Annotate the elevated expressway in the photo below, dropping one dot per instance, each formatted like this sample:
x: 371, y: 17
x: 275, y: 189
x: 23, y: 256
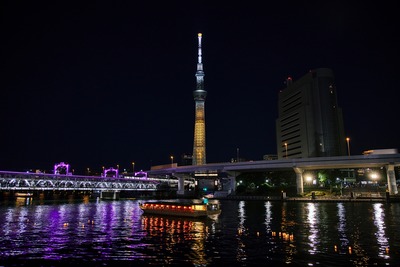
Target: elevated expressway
x: 299, y: 166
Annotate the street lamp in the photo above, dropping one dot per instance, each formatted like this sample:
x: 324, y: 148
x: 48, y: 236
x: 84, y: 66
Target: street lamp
x: 348, y: 145
x: 172, y: 160
x: 309, y: 179
x: 374, y: 177
x: 133, y: 167
x: 286, y: 149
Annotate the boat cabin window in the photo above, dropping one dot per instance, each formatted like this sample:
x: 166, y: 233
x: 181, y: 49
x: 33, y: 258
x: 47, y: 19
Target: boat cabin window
x: 199, y: 207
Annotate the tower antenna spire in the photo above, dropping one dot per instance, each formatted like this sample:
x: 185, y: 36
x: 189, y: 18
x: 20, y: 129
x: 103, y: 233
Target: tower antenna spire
x: 199, y: 63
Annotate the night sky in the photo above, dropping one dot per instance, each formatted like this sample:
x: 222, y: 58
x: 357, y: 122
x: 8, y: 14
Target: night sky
x: 104, y: 83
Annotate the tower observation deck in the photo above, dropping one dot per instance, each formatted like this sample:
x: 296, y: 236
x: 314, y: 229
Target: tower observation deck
x: 199, y: 143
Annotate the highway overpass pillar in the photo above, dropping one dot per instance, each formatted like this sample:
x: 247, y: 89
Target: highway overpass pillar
x: 299, y: 180
x: 181, y: 185
x: 230, y: 183
x: 391, y: 179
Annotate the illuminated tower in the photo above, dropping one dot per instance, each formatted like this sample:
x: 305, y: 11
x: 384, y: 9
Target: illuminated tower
x: 199, y: 143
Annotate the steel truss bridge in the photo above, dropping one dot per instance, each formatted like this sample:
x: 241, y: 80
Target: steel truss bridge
x: 22, y: 181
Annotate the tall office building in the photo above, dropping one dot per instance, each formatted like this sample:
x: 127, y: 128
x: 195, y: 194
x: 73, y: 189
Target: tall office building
x: 310, y: 122
x: 199, y: 143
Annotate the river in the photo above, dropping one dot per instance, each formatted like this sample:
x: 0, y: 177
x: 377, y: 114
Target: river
x: 246, y: 233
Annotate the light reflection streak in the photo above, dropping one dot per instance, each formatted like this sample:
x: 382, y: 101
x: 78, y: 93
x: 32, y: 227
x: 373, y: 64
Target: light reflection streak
x: 240, y: 251
x: 341, y: 213
x: 176, y: 231
x: 6, y: 227
x: 313, y: 222
x: 380, y: 234
x: 105, y: 213
x: 55, y: 218
x: 22, y: 220
x: 285, y: 222
x: 268, y: 216
x: 284, y: 234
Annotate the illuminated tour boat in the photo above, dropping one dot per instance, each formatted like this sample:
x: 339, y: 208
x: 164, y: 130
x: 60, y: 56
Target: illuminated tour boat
x: 183, y: 209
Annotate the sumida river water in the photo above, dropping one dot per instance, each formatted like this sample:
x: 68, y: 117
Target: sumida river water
x: 246, y: 233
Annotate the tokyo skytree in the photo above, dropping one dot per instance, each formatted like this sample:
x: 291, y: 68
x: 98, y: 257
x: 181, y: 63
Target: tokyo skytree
x: 199, y: 143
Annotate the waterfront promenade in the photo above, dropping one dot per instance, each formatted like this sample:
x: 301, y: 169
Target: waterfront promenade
x: 317, y: 196
x: 316, y: 199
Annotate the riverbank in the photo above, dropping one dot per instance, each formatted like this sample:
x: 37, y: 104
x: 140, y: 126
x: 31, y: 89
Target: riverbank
x: 385, y: 199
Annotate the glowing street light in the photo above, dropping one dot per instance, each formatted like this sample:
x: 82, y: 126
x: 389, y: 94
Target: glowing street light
x: 286, y: 149
x: 309, y: 179
x: 133, y: 166
x: 374, y: 176
x: 348, y: 145
x: 172, y: 160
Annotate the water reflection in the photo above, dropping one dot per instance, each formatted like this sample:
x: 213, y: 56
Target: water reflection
x: 241, y: 217
x: 172, y: 232
x: 246, y: 233
x: 286, y: 235
x: 313, y: 221
x: 241, y: 229
x: 268, y: 216
x: 380, y: 234
x: 341, y: 227
x: 357, y: 253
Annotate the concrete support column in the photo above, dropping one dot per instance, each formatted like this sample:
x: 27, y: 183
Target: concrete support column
x: 299, y: 180
x: 391, y: 179
x: 181, y: 185
x: 231, y: 185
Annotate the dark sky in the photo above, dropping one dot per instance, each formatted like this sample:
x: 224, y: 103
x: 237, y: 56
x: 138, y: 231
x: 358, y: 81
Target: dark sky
x: 104, y: 83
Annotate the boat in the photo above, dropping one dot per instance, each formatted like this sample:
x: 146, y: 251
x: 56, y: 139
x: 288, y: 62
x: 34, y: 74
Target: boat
x: 181, y: 208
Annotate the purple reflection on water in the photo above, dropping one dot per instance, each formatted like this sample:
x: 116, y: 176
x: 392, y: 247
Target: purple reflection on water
x: 247, y: 232
x: 101, y: 230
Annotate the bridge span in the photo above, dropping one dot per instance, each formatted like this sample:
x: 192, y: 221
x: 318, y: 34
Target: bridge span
x: 299, y: 166
x: 31, y: 182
